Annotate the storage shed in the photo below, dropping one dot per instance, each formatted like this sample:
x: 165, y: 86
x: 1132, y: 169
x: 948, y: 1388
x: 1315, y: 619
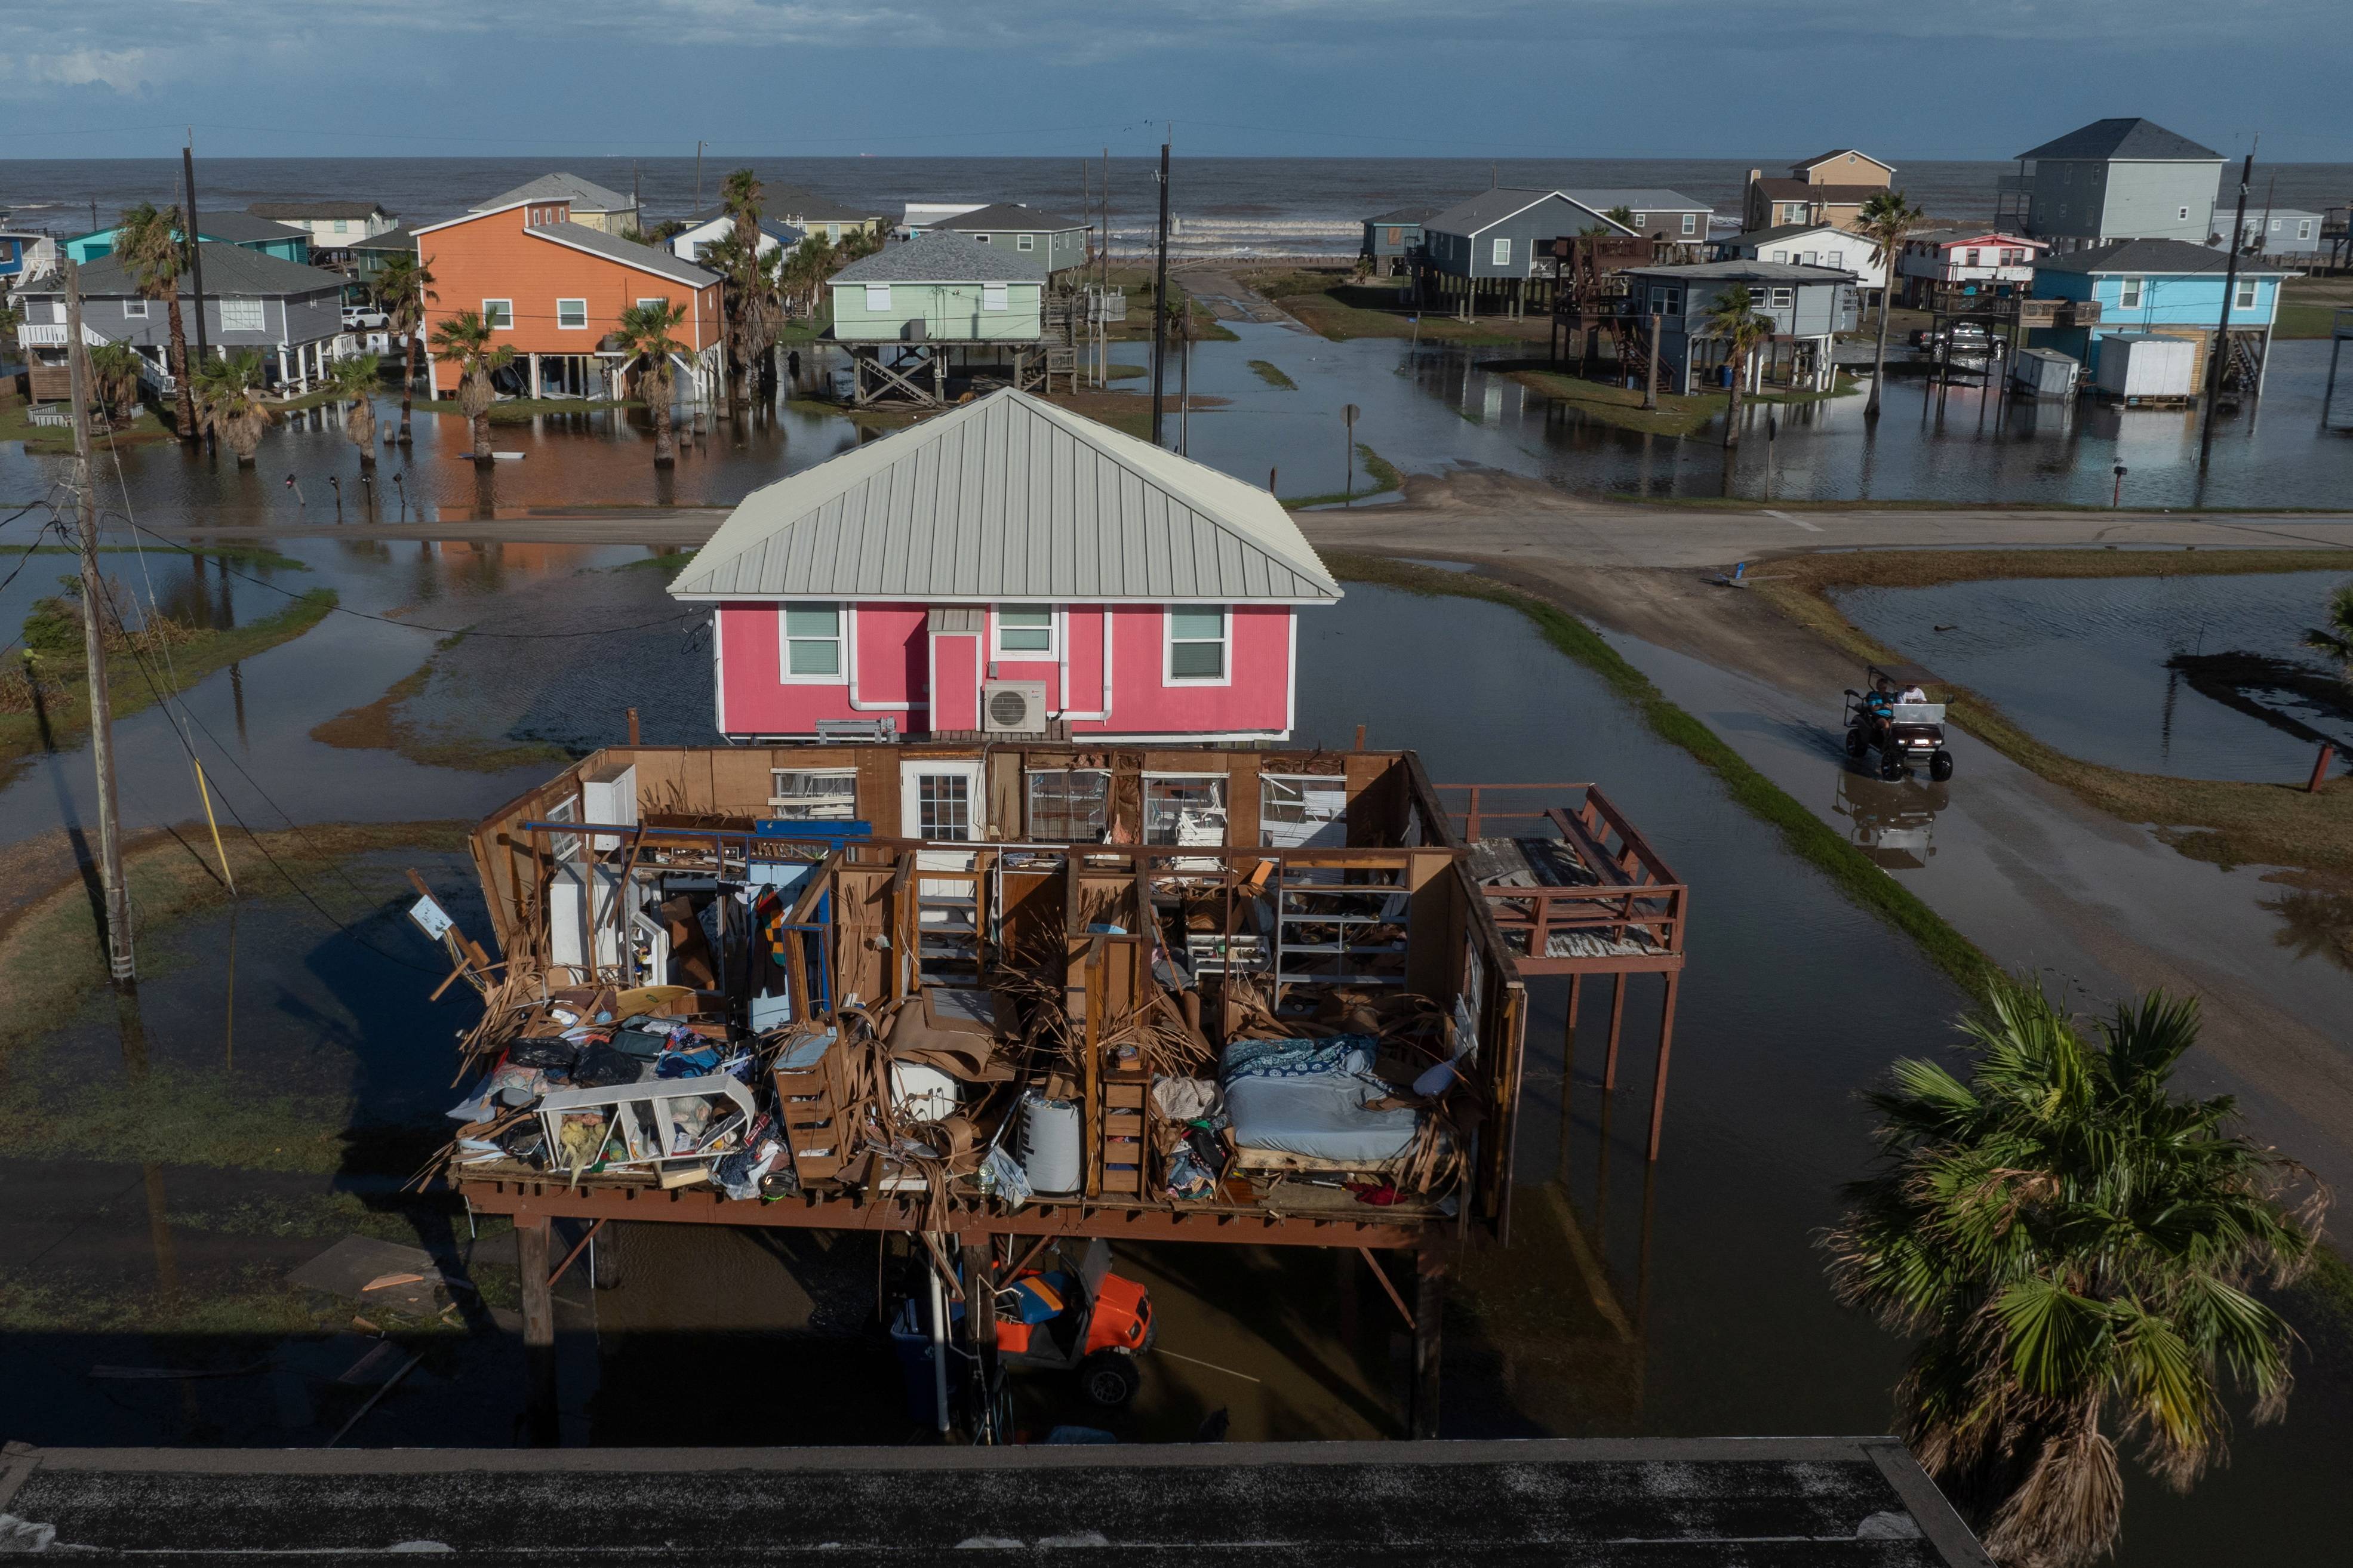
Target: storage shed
x: 2147, y: 367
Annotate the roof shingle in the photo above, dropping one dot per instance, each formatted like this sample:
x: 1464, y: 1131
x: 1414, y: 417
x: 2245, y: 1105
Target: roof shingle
x: 2129, y: 138
x: 584, y: 195
x: 936, y: 256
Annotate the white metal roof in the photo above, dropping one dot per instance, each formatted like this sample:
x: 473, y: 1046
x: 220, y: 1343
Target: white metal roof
x: 1009, y: 497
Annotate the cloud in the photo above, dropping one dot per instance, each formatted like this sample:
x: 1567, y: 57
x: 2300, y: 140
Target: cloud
x: 123, y: 70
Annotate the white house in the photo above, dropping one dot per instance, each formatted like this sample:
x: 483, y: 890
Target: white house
x: 1813, y: 245
x: 1965, y: 260
x: 712, y: 223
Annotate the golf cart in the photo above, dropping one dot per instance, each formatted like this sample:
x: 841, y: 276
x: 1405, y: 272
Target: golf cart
x: 1905, y: 735
x: 1088, y: 1320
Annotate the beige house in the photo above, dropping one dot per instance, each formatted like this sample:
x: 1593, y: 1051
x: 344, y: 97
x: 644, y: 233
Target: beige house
x: 1829, y: 188
x: 591, y: 204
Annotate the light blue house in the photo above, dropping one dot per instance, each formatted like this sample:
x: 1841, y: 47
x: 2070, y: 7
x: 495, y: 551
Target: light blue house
x: 2168, y: 286
x: 241, y: 230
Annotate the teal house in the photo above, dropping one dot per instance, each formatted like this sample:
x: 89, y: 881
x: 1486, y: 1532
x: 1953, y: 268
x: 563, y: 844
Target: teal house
x: 240, y: 229
x: 2169, y: 287
x: 940, y: 287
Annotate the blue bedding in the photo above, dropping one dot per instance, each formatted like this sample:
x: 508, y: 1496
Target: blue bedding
x: 1307, y: 1097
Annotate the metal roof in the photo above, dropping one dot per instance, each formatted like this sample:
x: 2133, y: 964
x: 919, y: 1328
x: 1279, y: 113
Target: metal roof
x: 1641, y: 199
x: 1747, y: 272
x: 245, y: 228
x: 1789, y: 231
x: 586, y: 194
x: 2129, y: 138
x: 613, y: 247
x: 1489, y: 208
x: 1402, y: 215
x: 229, y: 270
x: 1006, y: 217
x: 1009, y: 497
x: 346, y: 210
x: 938, y: 256
x: 2158, y: 256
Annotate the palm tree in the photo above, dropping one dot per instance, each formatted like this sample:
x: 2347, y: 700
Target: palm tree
x: 746, y: 307
x: 402, y: 287
x: 1733, y: 317
x: 114, y: 371
x: 357, y: 379
x: 464, y: 341
x: 645, y: 335
x: 1886, y: 219
x: 2336, y: 638
x: 228, y: 396
x: 154, y: 252
x: 2077, y: 1245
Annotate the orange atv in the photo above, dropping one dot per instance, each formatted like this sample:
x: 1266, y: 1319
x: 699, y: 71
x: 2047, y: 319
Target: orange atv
x: 1087, y: 1319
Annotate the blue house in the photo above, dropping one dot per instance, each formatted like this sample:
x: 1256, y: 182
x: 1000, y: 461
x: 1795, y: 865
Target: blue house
x: 243, y: 230
x: 2166, y: 287
x: 1393, y: 238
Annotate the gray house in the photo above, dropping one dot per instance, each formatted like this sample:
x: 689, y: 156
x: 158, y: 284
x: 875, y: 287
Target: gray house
x: 1495, y: 242
x: 289, y: 312
x: 2113, y: 179
x: 1393, y: 238
x: 1809, y: 306
x: 1056, y: 244
x: 1660, y: 215
x: 2293, y: 232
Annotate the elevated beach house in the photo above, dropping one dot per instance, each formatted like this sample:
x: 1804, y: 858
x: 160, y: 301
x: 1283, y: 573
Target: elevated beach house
x: 291, y: 313
x: 2291, y: 234
x: 590, y: 204
x: 1393, y: 238
x: 1946, y: 266
x: 1830, y: 187
x: 1809, y: 306
x: 1668, y: 219
x: 2113, y: 179
x: 1007, y: 569
x: 554, y: 289
x: 243, y: 230
x: 822, y: 217
x: 1056, y: 244
x: 1812, y: 245
x: 333, y: 225
x: 1490, y: 246
x: 716, y: 223
x: 2164, y: 288
x: 910, y: 309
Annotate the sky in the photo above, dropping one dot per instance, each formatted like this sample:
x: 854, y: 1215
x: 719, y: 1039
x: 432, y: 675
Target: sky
x: 1682, y: 79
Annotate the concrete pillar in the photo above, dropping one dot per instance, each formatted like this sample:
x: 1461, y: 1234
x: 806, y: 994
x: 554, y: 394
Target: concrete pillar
x: 538, y: 1331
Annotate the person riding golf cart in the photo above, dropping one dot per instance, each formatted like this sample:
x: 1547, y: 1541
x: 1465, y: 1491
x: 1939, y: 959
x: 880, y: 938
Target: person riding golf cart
x: 1893, y: 717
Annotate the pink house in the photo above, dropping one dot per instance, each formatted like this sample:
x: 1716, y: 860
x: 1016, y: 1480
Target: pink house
x: 1944, y: 261
x: 1008, y: 569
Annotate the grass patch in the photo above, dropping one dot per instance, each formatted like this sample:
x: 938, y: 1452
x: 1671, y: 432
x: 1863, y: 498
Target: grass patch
x: 1383, y: 474
x: 1131, y: 371
x: 1619, y: 406
x: 2308, y: 306
x: 885, y: 418
x: 514, y: 410
x: 1805, y: 835
x: 62, y: 714
x: 1336, y: 308
x: 17, y: 424
x: 256, y: 555
x: 1272, y: 375
x: 1137, y: 282
x: 2226, y: 821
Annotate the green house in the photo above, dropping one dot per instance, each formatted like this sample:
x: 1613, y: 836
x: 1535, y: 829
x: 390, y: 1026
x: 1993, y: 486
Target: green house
x: 940, y: 287
x: 240, y: 229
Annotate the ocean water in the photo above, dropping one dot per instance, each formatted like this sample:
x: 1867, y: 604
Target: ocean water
x: 1222, y: 207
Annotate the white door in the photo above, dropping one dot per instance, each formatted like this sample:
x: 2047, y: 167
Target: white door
x: 942, y: 802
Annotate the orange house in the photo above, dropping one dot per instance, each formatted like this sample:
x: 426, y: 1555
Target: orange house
x: 554, y: 290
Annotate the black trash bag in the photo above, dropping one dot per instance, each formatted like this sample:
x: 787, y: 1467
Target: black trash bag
x: 552, y: 1051
x: 643, y: 1044
x: 602, y: 1067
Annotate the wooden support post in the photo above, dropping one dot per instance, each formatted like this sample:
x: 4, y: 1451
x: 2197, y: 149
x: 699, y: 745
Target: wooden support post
x: 1666, y: 1045
x: 1429, y: 1312
x: 538, y: 1331
x: 1650, y: 387
x: 2320, y: 768
x: 1616, y: 1018
x: 1569, y: 1034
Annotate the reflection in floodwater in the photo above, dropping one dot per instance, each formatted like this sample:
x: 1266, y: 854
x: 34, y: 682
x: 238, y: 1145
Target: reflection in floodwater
x: 1895, y: 823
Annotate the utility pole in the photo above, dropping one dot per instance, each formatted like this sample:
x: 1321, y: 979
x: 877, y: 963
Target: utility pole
x: 195, y: 249
x: 1160, y: 298
x: 93, y: 647
x: 697, y: 177
x: 2223, y: 329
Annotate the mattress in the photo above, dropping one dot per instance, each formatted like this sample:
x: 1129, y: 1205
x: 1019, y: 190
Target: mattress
x: 1308, y: 1098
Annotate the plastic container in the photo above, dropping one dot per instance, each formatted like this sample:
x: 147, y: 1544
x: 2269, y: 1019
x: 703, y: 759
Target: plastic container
x: 923, y: 1093
x: 1050, y: 1148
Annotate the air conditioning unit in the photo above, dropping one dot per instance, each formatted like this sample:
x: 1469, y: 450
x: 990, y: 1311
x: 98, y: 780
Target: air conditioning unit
x: 1013, y: 708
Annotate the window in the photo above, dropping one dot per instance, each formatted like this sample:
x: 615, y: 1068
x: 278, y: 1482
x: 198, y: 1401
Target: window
x: 1808, y: 258
x: 2183, y: 214
x: 1781, y: 255
x: 1641, y: 220
x: 833, y: 234
x: 813, y: 643
x: 1836, y: 259
x: 242, y: 316
x: 1185, y: 808
x: 572, y: 313
x: 1397, y: 237
x: 1025, y: 242
x: 1667, y: 301
x: 498, y: 314
x: 343, y: 227
x: 1295, y: 811
x: 943, y: 807
x: 1968, y: 258
x: 2128, y: 294
x: 2303, y: 228
x: 812, y: 794
x: 1025, y: 631
x: 980, y: 238
x: 1691, y: 223
x: 996, y: 297
x: 1503, y: 253
x: 2245, y: 300
x: 1070, y: 805
x: 877, y: 295
x: 135, y: 308
x: 644, y: 304
x: 2275, y: 224
x: 1196, y: 645
x: 1783, y: 297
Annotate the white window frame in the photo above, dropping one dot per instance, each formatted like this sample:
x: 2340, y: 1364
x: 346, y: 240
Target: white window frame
x: 135, y: 309
x: 1025, y: 242
x: 1640, y: 220
x: 343, y: 226
x: 1220, y: 786
x: 997, y: 297
x: 1500, y: 253
x: 494, y: 310
x: 258, y: 317
x: 2244, y: 296
x: 1781, y: 300
x: 839, y: 676
x: 663, y: 300
x: 1029, y: 782
x: 562, y: 325
x: 2183, y: 216
x: 1836, y: 258
x: 1052, y: 650
x: 838, y: 805
x: 1691, y: 223
x: 1168, y: 646
x: 2131, y: 292
x: 878, y: 296
x: 1782, y: 255
x: 2303, y: 228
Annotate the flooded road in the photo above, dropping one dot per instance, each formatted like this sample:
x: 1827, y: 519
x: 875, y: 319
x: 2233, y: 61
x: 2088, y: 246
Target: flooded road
x: 1682, y: 1299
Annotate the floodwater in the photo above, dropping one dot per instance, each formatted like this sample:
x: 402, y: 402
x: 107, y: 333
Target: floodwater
x: 1684, y: 1298
x: 2096, y: 666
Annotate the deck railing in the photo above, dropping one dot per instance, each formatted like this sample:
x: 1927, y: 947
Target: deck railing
x: 1630, y: 917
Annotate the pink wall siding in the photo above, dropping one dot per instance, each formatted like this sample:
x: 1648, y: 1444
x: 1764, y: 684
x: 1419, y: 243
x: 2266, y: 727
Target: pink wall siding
x: 897, y: 661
